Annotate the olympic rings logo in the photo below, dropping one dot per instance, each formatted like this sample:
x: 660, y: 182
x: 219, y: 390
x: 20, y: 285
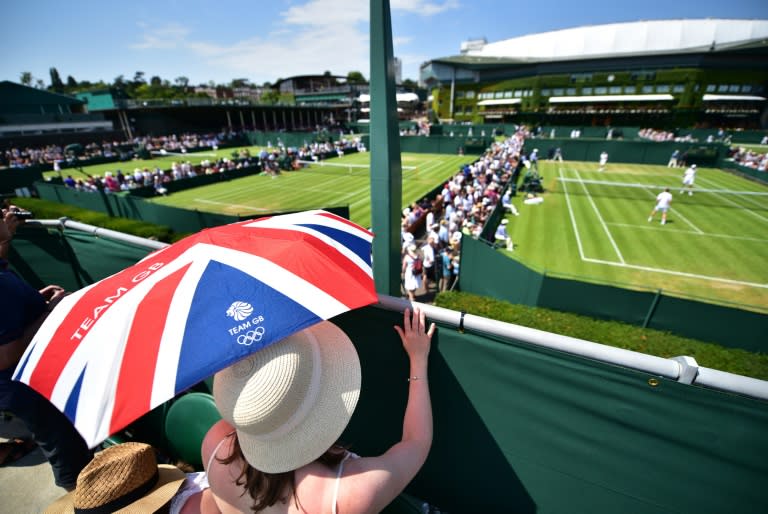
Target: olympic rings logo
x: 254, y: 336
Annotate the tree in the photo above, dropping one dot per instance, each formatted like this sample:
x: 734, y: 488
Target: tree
x: 355, y: 77
x: 39, y: 84
x: 138, y: 78
x: 237, y: 83
x: 182, y: 82
x: 269, y: 97
x: 408, y: 83
x: 26, y: 78
x: 56, y: 83
x: 155, y: 81
x: 71, y: 82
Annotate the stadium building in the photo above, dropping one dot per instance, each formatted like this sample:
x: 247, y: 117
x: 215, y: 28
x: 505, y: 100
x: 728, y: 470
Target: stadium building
x: 662, y: 74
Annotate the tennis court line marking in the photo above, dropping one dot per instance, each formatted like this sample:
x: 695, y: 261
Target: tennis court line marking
x: 211, y: 202
x: 678, y: 273
x: 602, y: 221
x: 707, y: 234
x: 572, y: 216
x: 634, y: 266
x: 759, y: 216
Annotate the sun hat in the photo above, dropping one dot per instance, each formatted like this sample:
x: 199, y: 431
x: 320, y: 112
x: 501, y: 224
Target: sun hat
x: 124, y: 479
x: 290, y: 402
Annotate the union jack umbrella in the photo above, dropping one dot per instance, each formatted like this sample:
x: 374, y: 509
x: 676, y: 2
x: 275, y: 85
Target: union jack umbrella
x: 113, y: 351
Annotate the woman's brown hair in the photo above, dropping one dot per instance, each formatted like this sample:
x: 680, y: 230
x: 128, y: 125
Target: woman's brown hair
x: 266, y: 489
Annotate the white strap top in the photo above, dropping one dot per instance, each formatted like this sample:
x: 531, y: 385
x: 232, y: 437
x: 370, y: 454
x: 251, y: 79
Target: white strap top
x: 348, y: 455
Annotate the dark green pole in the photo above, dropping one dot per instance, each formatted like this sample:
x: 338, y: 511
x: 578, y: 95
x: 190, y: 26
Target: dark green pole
x: 386, y: 168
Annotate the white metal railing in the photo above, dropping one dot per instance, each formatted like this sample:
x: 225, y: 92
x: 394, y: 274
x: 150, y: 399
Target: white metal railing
x: 683, y: 369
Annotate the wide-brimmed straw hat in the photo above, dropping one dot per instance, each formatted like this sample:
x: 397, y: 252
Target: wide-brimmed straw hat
x: 290, y: 402
x: 124, y: 479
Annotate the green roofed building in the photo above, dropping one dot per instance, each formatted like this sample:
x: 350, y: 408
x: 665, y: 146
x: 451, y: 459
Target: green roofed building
x: 667, y: 73
x: 28, y: 114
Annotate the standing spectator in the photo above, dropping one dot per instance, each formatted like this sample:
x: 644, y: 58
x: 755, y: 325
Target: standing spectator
x: 673, y: 159
x: 428, y: 255
x: 446, y: 268
x: 412, y: 270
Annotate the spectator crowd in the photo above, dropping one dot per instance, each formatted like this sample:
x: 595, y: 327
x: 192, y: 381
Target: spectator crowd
x: 461, y: 209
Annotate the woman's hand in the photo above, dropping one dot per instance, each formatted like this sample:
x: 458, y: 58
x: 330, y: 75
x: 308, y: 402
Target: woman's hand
x: 414, y: 334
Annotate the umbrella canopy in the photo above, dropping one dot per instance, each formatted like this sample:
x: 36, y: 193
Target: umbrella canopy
x: 113, y: 351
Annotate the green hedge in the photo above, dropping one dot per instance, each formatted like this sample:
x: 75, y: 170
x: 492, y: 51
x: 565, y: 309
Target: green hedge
x: 620, y: 335
x: 44, y: 209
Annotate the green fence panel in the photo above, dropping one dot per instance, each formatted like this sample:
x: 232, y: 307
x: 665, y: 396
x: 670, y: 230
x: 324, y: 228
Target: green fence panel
x: 96, y: 201
x: 595, y: 300
x: 485, y: 271
x: 641, y: 152
x: 708, y: 322
x: 514, y: 282
x: 69, y: 258
x: 444, y: 144
x: 527, y: 430
x: 524, y: 429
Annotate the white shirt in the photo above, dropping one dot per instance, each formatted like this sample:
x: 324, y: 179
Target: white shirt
x: 663, y: 199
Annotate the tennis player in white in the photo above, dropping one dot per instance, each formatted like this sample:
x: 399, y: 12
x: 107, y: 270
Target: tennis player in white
x: 688, y: 178
x: 663, y: 200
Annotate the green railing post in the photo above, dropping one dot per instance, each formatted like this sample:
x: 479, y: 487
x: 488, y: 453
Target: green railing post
x: 386, y: 168
x: 652, y: 308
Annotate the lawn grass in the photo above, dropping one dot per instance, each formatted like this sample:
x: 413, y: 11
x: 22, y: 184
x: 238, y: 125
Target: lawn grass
x: 611, y: 333
x: 713, y: 248
x: 338, y: 182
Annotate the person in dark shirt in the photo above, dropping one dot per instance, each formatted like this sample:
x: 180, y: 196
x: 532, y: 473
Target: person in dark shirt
x: 23, y: 311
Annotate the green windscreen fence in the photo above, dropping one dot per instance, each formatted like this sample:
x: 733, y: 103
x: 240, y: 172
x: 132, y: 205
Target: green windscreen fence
x: 517, y: 427
x: 69, y: 258
x: 514, y: 282
x: 641, y: 152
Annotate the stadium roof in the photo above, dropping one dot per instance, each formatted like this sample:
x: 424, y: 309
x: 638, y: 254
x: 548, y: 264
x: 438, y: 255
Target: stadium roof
x: 622, y: 39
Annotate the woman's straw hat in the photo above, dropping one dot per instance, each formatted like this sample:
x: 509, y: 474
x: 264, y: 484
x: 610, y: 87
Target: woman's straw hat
x: 124, y: 479
x: 290, y: 402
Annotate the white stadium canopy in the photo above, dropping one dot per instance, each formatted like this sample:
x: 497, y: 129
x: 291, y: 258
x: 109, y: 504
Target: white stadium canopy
x: 634, y: 38
x: 400, y: 97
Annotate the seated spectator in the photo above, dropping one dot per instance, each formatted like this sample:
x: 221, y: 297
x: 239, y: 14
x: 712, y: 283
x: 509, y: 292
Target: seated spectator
x: 23, y: 311
x: 122, y: 478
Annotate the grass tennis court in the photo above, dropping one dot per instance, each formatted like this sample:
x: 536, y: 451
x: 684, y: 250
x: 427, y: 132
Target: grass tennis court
x: 337, y: 182
x: 591, y: 226
x: 594, y: 226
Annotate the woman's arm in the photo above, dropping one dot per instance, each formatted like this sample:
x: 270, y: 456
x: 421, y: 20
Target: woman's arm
x: 371, y: 483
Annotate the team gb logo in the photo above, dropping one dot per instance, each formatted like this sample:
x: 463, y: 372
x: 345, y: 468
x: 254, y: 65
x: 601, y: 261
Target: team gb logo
x: 240, y: 310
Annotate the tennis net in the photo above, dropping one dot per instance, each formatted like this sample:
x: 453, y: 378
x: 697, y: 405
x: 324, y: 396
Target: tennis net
x: 187, y: 156
x: 746, y: 199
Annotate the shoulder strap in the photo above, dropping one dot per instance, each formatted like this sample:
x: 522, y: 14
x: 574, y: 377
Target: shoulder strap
x: 215, y: 451
x: 338, y: 479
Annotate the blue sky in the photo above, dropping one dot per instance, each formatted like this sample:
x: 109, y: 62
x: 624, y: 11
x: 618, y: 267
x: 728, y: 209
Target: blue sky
x: 218, y: 41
